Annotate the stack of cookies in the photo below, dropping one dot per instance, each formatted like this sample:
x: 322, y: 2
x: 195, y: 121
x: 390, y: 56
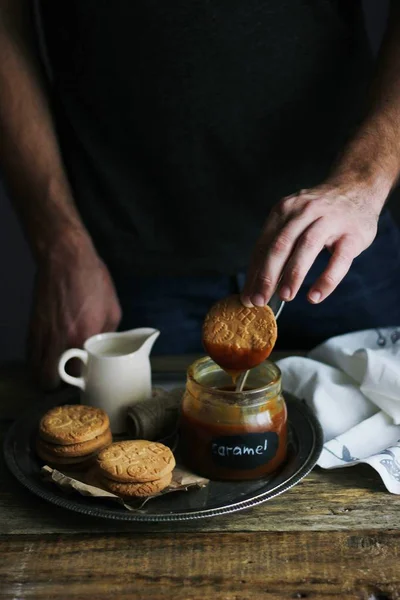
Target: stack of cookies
x: 135, y: 468
x: 71, y: 436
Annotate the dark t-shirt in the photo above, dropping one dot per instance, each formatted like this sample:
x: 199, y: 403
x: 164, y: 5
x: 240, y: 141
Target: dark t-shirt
x: 181, y: 123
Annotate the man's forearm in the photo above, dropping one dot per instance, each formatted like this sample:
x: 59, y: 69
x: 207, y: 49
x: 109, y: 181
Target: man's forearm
x: 372, y: 156
x: 29, y: 152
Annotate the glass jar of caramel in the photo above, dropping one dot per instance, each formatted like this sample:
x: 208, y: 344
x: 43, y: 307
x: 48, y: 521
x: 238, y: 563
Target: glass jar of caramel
x: 231, y: 435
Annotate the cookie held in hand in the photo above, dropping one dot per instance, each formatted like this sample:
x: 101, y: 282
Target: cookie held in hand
x: 236, y: 337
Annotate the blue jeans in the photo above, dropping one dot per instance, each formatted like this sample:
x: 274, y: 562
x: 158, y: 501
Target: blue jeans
x: 368, y: 297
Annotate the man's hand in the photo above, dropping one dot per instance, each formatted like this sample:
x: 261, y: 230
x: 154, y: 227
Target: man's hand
x: 341, y: 214
x: 74, y: 299
x: 341, y: 217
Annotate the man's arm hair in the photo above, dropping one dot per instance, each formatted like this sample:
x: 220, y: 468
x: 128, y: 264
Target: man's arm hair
x: 373, y: 153
x: 30, y: 157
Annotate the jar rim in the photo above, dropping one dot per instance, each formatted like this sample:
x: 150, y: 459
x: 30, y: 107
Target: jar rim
x: 253, y: 392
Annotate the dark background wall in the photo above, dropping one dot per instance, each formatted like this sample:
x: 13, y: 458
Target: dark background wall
x: 16, y: 265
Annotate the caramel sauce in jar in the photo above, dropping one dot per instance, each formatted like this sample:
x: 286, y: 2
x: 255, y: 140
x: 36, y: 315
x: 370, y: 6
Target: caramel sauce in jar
x: 229, y: 435
x: 236, y: 360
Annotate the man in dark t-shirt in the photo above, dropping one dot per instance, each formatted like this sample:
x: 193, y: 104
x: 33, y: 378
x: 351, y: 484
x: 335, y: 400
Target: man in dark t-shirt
x: 159, y: 151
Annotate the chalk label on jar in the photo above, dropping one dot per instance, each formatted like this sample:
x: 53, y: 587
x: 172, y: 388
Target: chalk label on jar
x: 246, y: 451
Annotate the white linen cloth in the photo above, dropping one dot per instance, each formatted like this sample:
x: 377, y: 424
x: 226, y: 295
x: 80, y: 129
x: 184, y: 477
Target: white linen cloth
x: 352, y: 382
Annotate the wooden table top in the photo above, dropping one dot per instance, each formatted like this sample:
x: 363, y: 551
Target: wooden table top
x: 336, y: 534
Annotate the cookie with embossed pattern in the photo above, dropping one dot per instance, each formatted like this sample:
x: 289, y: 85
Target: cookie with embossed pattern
x: 238, y: 338
x: 79, y: 449
x: 135, y: 461
x: 137, y: 490
x: 67, y: 463
x: 73, y: 424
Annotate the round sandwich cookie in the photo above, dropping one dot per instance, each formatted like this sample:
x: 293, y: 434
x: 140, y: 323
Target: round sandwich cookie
x: 80, y: 449
x: 135, y: 461
x: 73, y: 424
x: 81, y: 462
x: 238, y: 338
x: 137, y: 490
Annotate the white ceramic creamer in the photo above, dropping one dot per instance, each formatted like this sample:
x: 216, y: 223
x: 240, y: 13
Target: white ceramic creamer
x: 116, y: 371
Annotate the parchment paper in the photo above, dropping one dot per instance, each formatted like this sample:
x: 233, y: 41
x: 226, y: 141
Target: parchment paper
x: 88, y: 485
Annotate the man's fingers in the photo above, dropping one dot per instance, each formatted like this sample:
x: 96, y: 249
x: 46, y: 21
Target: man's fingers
x: 308, y: 246
x: 271, y: 226
x: 54, y: 344
x: 337, y: 268
x: 35, y: 346
x: 32, y: 349
x: 115, y: 317
x: 49, y: 378
x: 35, y: 353
x: 269, y: 259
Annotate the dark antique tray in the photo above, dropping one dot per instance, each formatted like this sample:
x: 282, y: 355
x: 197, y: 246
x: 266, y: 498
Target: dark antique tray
x: 217, y: 498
